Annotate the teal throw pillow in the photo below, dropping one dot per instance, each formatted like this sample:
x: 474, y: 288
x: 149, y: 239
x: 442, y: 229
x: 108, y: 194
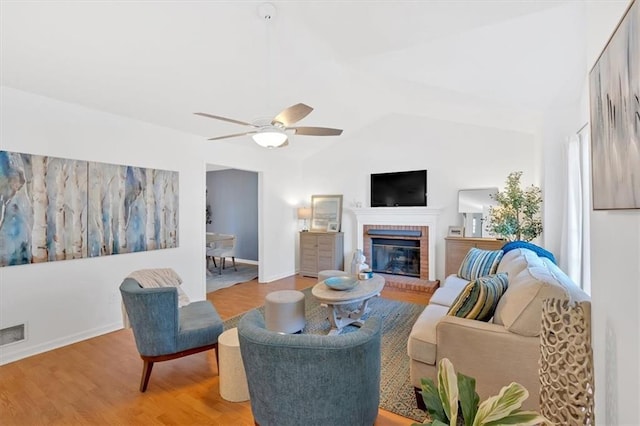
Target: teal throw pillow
x: 478, y: 263
x: 478, y: 300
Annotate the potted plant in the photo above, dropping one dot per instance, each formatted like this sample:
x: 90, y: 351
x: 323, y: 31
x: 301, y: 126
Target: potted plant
x: 517, y: 215
x: 455, y: 402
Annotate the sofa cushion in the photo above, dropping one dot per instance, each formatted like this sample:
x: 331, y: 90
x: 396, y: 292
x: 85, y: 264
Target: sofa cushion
x: 515, y: 261
x: 445, y: 296
x: 478, y: 263
x: 479, y: 298
x: 576, y: 294
x: 422, y: 340
x: 455, y: 282
x: 520, y: 308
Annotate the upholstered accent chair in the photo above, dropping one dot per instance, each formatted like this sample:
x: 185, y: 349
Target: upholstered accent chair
x: 164, y: 331
x: 304, y: 379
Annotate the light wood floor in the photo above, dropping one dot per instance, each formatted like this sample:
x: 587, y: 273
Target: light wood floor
x: 96, y: 381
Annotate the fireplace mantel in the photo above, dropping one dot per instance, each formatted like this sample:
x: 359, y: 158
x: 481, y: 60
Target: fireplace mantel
x: 415, y: 216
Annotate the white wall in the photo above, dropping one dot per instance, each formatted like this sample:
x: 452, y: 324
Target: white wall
x: 456, y: 155
x: 615, y: 276
x: 67, y: 301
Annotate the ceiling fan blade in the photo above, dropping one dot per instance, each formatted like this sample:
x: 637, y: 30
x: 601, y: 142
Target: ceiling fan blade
x: 230, y: 120
x: 292, y: 114
x: 232, y: 136
x: 316, y: 131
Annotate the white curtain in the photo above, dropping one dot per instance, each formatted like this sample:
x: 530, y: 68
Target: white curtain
x: 575, y: 239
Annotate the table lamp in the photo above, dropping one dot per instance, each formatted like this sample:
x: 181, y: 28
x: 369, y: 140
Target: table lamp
x: 304, y: 213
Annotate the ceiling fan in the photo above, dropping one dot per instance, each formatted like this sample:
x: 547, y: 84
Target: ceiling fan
x: 274, y: 133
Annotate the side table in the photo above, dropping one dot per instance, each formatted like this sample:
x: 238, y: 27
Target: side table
x: 233, y: 379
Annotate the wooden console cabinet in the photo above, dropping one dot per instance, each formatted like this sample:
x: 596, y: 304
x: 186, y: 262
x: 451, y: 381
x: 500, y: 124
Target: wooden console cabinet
x: 457, y: 249
x: 320, y: 251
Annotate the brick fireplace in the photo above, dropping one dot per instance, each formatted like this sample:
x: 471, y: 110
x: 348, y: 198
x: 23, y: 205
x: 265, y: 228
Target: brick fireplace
x: 404, y: 226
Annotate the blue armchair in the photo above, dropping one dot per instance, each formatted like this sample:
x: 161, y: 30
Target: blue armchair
x: 302, y: 379
x: 163, y: 331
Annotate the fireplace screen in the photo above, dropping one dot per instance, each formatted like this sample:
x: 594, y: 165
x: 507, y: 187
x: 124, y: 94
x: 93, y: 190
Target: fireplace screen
x: 396, y: 256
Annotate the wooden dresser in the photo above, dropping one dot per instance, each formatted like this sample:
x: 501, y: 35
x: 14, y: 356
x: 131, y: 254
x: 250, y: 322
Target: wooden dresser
x: 320, y: 251
x: 457, y: 249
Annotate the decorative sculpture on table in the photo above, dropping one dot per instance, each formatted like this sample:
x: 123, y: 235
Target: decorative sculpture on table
x: 357, y: 263
x: 566, y: 363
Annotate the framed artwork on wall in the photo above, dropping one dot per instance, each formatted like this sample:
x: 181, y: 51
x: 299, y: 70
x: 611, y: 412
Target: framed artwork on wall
x: 55, y: 209
x: 326, y: 209
x: 614, y: 93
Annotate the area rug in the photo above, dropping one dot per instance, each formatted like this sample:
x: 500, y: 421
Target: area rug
x: 396, y: 391
x: 229, y: 277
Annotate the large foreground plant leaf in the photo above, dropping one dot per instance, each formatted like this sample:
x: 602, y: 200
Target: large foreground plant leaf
x: 469, y: 398
x: 431, y: 399
x: 520, y: 418
x: 448, y: 389
x: 500, y: 406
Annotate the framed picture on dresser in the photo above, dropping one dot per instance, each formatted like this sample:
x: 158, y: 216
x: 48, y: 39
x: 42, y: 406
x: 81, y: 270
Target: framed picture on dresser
x: 326, y: 209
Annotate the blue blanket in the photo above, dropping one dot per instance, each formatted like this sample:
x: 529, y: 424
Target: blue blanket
x: 534, y: 248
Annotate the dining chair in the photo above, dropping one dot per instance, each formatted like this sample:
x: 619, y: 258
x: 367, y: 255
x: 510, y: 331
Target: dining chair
x: 224, y: 246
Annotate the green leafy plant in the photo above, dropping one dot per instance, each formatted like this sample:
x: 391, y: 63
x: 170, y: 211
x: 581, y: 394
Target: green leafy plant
x: 455, y: 402
x: 517, y: 215
x: 207, y: 211
x: 208, y: 214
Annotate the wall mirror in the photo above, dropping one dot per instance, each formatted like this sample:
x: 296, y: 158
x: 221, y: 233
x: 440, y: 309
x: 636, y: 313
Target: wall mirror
x: 474, y: 205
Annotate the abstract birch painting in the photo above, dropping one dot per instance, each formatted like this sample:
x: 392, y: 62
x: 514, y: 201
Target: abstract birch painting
x: 614, y: 86
x: 57, y: 209
x: 43, y: 208
x: 131, y: 209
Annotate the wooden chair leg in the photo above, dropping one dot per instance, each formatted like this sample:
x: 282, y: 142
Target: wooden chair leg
x: 217, y: 358
x: 214, y: 261
x: 233, y: 259
x: 146, y: 373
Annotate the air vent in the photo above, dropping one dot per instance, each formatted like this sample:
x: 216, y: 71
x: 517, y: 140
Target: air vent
x: 13, y: 334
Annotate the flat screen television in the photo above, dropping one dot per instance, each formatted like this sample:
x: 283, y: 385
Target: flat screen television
x: 399, y: 189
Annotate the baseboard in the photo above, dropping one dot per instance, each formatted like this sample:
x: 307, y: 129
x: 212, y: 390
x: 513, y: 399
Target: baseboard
x: 248, y: 262
x: 275, y: 277
x: 6, y: 358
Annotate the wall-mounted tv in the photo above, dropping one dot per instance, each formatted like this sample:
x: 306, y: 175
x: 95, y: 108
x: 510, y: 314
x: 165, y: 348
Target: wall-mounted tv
x: 399, y: 189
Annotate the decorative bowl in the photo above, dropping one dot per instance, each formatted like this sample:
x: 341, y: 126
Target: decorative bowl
x: 341, y: 283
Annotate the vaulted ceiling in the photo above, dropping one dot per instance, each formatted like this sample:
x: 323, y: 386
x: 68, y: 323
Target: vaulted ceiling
x: 355, y: 62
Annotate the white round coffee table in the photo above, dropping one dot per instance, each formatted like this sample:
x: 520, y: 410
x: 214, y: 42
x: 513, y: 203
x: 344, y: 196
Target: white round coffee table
x: 335, y: 300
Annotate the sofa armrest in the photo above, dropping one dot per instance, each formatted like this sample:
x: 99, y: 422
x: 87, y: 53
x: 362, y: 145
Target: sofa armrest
x: 491, y: 354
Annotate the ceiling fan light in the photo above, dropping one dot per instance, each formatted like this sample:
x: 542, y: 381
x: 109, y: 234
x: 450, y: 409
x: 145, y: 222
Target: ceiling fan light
x: 270, y: 138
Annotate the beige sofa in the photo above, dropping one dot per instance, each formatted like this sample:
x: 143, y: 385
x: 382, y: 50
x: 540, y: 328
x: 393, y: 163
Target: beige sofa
x: 503, y: 350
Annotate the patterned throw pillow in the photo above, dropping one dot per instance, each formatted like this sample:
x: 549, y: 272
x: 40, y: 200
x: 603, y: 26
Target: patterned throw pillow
x: 478, y: 263
x: 478, y: 300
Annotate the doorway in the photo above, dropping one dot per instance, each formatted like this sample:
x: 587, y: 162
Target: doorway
x: 232, y: 208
